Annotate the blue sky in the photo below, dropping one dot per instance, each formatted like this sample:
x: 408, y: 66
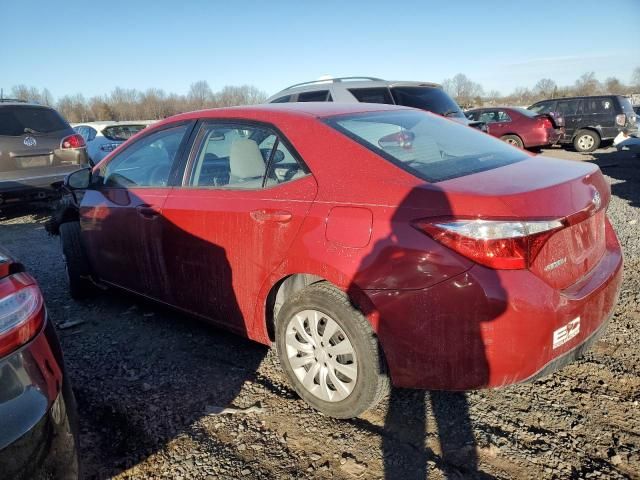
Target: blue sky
x: 91, y: 47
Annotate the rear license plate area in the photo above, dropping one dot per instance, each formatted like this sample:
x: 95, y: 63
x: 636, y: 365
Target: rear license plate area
x: 31, y: 162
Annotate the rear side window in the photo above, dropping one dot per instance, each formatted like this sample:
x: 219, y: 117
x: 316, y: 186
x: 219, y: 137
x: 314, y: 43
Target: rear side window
x: 372, y: 95
x: 625, y: 104
x: 567, y: 107
x: 319, y: 96
x: 426, y: 146
x: 120, y: 133
x: 16, y: 121
x: 598, y: 105
x: 431, y: 99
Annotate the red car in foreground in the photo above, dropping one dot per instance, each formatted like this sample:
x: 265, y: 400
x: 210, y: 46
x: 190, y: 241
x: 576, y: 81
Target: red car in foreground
x: 367, y: 241
x: 518, y: 126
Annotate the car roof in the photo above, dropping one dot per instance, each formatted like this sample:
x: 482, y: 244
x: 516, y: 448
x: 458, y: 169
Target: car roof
x: 578, y: 97
x: 19, y: 103
x: 266, y: 111
x: 109, y: 123
x: 337, y: 83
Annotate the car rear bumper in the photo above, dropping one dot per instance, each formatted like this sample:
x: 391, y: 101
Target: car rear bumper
x: 25, y: 185
x: 489, y: 328
x: 37, y: 411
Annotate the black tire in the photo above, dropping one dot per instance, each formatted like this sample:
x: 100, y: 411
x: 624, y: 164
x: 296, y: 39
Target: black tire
x: 372, y: 382
x: 78, y: 272
x: 514, y: 140
x: 586, y: 141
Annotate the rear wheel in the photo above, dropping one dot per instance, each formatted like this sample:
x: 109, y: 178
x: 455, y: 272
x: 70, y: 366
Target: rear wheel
x: 514, y: 140
x: 76, y: 263
x: 586, y: 141
x: 330, y: 353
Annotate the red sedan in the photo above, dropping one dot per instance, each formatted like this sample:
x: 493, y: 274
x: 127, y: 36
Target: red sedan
x: 368, y: 242
x: 518, y: 126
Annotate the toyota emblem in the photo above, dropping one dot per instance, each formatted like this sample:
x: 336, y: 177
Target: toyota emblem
x: 30, y: 141
x: 597, y: 200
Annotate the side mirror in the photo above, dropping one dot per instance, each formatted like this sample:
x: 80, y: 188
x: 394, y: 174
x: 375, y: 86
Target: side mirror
x: 78, y: 180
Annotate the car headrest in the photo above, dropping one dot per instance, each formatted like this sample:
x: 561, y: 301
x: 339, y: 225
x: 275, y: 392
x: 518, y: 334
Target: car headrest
x: 245, y: 159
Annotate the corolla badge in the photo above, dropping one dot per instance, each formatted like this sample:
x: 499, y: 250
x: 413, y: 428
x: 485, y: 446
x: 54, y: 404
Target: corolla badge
x: 597, y: 200
x: 30, y: 141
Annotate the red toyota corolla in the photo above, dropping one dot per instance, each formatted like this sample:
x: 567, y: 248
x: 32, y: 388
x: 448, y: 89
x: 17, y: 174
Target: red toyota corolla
x: 369, y: 242
x: 518, y: 126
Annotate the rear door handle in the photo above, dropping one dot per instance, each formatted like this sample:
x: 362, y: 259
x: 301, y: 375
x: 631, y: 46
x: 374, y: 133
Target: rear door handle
x: 280, y: 216
x: 147, y: 211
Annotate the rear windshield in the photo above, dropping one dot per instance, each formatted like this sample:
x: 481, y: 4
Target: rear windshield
x: 432, y: 99
x: 525, y: 112
x: 431, y: 148
x: 625, y: 104
x: 120, y: 133
x: 18, y: 120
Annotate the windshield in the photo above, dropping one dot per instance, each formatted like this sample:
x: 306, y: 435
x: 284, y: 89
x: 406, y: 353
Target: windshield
x: 120, y: 133
x: 432, y: 99
x: 18, y: 120
x: 426, y: 146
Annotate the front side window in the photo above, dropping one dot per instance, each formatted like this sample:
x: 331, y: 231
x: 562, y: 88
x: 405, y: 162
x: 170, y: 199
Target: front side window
x: 285, y: 99
x: 567, y: 107
x: 426, y: 146
x: 241, y: 157
x: 542, y: 107
x: 147, y: 162
x: 489, y: 116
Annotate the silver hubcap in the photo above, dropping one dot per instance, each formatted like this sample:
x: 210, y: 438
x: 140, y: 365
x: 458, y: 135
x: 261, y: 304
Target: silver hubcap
x: 511, y: 141
x: 321, y: 356
x: 585, y: 142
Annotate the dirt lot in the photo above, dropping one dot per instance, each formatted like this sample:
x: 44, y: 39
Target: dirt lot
x: 145, y: 378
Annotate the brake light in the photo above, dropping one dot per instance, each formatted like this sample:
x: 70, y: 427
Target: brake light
x: 503, y: 245
x: 621, y: 119
x: 73, y: 141
x: 546, y: 123
x: 20, y: 315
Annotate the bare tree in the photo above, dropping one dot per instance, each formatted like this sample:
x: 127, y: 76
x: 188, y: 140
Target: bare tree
x: 463, y: 89
x: 545, y: 88
x: 200, y: 95
x: 587, y: 84
x: 613, y: 85
x: 242, y: 95
x: 635, y: 78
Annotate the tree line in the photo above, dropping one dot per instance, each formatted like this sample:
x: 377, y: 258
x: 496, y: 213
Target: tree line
x: 132, y: 104
x: 469, y: 93
x: 154, y: 103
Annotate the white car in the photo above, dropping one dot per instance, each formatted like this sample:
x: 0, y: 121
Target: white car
x: 103, y: 137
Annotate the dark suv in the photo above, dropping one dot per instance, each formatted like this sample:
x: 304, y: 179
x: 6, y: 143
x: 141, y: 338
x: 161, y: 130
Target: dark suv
x: 37, y: 148
x: 589, y: 120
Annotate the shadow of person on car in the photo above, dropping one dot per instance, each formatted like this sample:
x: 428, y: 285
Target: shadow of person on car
x: 437, y: 344
x: 167, y: 370
x: 622, y: 166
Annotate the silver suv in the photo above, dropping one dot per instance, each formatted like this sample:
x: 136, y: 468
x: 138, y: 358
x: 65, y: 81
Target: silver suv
x: 37, y: 148
x: 423, y: 95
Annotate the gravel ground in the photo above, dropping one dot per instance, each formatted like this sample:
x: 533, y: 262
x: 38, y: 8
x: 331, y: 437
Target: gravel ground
x: 146, y: 377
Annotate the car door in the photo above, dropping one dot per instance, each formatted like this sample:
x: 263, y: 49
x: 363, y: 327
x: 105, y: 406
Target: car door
x: 571, y: 110
x: 121, y: 220
x: 244, y: 196
x: 601, y: 112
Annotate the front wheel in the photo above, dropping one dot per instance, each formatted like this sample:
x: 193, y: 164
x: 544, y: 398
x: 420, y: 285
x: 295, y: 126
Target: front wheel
x: 76, y: 264
x: 330, y: 353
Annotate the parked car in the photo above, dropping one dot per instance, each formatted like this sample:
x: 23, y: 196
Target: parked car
x: 518, y: 126
x: 104, y: 137
x: 590, y: 120
x: 38, y: 434
x: 423, y: 95
x: 366, y: 241
x: 37, y: 148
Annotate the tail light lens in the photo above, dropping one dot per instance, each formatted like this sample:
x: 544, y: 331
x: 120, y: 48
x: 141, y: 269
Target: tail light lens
x: 20, y: 316
x: 73, y: 141
x: 546, y: 123
x: 502, y: 245
x: 621, y: 120
x: 403, y: 139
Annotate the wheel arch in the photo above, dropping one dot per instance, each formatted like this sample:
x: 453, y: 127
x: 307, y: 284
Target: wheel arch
x: 592, y: 128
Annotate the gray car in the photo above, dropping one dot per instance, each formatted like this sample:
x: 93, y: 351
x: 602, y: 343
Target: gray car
x: 37, y: 148
x: 423, y: 95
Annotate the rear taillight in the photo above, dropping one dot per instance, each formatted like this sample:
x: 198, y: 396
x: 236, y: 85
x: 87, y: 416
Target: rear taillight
x: 73, y: 141
x: 621, y: 120
x: 546, y: 123
x: 503, y: 245
x: 20, y: 315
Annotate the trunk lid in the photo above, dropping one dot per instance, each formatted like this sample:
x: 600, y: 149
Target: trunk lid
x: 542, y: 189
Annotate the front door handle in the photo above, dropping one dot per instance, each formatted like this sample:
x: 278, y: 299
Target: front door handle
x: 147, y: 211
x: 280, y: 216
